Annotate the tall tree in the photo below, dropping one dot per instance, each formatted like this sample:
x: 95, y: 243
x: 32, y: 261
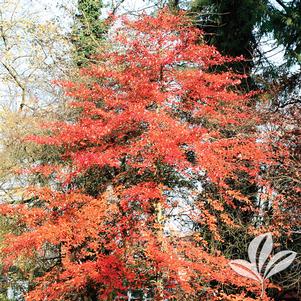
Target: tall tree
x: 151, y: 109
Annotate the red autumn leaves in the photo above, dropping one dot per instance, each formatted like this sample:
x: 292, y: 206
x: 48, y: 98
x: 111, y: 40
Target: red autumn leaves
x: 154, y: 109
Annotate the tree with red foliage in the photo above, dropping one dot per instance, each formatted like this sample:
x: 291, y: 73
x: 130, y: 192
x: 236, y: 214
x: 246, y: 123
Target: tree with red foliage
x: 152, y: 117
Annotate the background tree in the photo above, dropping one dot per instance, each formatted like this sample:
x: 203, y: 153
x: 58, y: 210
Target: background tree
x: 34, y: 49
x: 259, y: 30
x: 88, y: 30
x: 230, y: 26
x: 33, y: 52
x: 282, y: 19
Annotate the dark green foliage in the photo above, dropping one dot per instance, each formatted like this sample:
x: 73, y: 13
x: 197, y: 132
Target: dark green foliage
x: 284, y: 22
x: 173, y: 5
x: 229, y: 26
x: 88, y: 30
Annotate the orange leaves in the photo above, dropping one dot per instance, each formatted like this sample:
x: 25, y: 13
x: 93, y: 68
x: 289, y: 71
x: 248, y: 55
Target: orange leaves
x: 216, y: 205
x: 153, y: 118
x: 155, y: 95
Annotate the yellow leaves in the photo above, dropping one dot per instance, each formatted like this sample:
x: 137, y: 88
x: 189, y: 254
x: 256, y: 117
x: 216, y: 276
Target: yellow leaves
x: 15, y: 125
